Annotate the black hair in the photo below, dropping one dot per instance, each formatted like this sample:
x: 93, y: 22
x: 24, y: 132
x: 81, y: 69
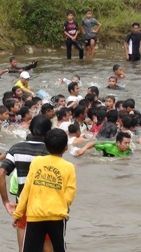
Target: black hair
x: 25, y: 96
x: 23, y: 111
x: 101, y: 114
x: 3, y: 109
x: 79, y: 110
x: 73, y: 128
x: 6, y: 96
x: 112, y: 116
x: 72, y: 86
x: 118, y: 104
x: 29, y: 104
x: 72, y: 12
x: 46, y: 107
x: 116, y: 67
x: 12, y: 58
x: 92, y: 112
x: 9, y: 103
x: 135, y: 24
x: 56, y: 141
x: 36, y: 99
x: 15, y: 88
x: 91, y: 99
x: 40, y: 125
x: 84, y: 103
x: 112, y: 97
x: 121, y: 135
x: 94, y: 90
x: 129, y: 121
x: 61, y: 113
x: 129, y: 103
x: 59, y: 96
x: 113, y: 77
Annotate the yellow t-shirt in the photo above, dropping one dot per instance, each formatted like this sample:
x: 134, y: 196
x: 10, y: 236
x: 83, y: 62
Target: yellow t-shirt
x: 49, y: 189
x: 20, y: 84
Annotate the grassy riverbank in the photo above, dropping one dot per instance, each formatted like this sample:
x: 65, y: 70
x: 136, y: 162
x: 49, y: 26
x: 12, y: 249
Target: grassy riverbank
x: 37, y: 22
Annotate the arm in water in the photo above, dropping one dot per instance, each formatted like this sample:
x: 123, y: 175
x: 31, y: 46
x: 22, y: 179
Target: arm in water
x: 10, y: 207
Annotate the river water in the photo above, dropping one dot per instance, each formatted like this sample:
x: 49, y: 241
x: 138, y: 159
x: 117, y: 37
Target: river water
x: 106, y: 214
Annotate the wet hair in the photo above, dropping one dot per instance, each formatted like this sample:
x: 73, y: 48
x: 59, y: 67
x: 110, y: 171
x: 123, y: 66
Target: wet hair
x: 118, y: 104
x: 113, y: 77
x: 72, y: 86
x: 135, y: 24
x: 56, y: 141
x: 90, y: 98
x: 15, y: 88
x: 73, y: 128
x: 12, y: 58
x: 77, y: 76
x: 61, y: 113
x: 129, y: 103
x: 10, y: 103
x: 116, y: 67
x: 79, y: 110
x: 101, y: 114
x: 92, y: 112
x: 6, y: 96
x: 46, y: 107
x: 36, y: 99
x: 94, y: 90
x: 129, y: 121
x: 72, y: 12
x: 122, y: 114
x: 121, y: 135
x: 25, y: 96
x: 3, y: 109
x: 84, y: 103
x: 40, y: 125
x: 23, y: 111
x: 58, y: 97
x: 29, y: 104
x: 112, y: 97
x: 112, y: 116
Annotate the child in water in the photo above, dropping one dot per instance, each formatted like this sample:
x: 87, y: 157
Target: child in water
x: 112, y: 83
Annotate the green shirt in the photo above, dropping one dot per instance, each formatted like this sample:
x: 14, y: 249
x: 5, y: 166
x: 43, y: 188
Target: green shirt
x: 111, y: 150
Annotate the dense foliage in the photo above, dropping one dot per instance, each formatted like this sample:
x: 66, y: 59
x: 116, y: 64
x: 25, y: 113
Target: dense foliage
x: 41, y: 22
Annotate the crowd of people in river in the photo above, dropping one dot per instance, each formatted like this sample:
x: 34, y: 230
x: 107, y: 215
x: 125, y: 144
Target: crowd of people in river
x: 43, y: 182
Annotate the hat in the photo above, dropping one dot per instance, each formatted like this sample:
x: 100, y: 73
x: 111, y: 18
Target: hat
x: 24, y: 75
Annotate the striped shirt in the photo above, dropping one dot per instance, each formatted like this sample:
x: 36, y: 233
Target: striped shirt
x: 20, y: 156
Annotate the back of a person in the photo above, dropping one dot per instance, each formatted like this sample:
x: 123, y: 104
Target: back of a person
x: 21, y: 154
x: 51, y: 174
x: 108, y: 130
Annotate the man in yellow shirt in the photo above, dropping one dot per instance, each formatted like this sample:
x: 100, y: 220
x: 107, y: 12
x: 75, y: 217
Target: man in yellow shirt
x: 23, y: 82
x: 46, y: 197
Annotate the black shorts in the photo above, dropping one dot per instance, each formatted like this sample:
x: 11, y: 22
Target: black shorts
x: 134, y: 57
x: 88, y: 41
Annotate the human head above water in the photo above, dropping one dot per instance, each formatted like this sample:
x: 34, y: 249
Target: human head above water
x: 73, y: 88
x: 56, y: 141
x: 39, y: 126
x: 123, y: 140
x: 12, y: 61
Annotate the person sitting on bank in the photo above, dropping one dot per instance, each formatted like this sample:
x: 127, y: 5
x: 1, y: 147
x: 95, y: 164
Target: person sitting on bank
x: 14, y: 68
x: 23, y: 82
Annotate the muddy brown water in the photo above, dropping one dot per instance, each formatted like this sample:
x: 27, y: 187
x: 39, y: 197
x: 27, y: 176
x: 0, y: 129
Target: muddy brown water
x: 106, y: 214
